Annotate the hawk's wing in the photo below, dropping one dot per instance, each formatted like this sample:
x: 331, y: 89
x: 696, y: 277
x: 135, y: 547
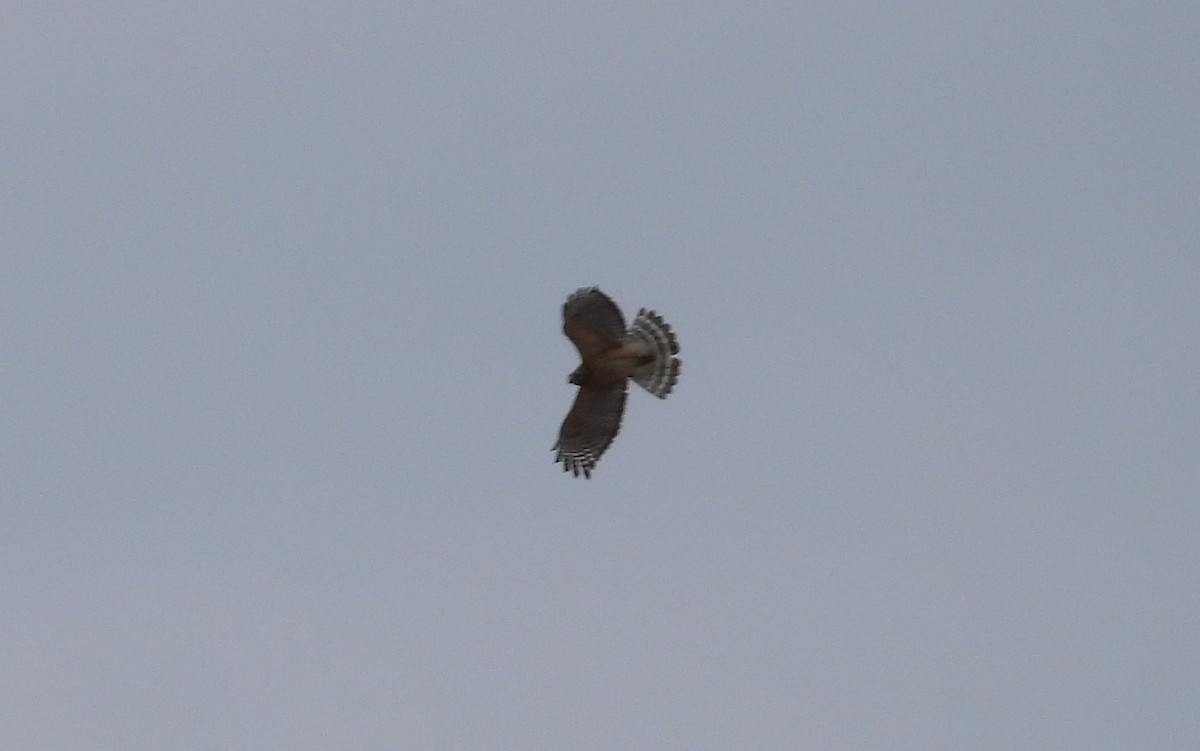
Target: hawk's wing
x: 591, y: 425
x: 593, y: 322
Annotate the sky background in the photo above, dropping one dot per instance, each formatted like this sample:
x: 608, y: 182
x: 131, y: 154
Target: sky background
x: 282, y: 364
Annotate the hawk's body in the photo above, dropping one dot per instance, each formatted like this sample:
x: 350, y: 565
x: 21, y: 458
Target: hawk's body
x: 611, y: 356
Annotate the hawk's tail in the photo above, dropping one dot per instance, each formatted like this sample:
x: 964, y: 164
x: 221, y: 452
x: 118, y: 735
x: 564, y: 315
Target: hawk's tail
x: 660, y: 374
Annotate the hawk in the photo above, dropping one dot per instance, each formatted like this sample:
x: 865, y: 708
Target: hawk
x: 611, y: 356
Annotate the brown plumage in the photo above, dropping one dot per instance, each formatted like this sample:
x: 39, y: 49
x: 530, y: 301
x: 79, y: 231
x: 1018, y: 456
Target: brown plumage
x: 611, y: 355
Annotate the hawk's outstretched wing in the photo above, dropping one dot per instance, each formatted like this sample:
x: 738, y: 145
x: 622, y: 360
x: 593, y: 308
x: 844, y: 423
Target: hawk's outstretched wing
x: 593, y: 322
x: 591, y: 426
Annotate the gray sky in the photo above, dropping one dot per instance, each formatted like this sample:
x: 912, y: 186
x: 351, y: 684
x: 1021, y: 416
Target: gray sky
x: 283, y: 364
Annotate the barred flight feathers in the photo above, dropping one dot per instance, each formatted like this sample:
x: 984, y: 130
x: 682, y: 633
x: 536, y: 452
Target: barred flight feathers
x: 590, y: 427
x: 660, y: 374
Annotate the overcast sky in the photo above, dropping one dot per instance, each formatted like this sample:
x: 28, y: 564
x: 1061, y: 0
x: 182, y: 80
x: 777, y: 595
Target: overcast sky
x: 280, y: 297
